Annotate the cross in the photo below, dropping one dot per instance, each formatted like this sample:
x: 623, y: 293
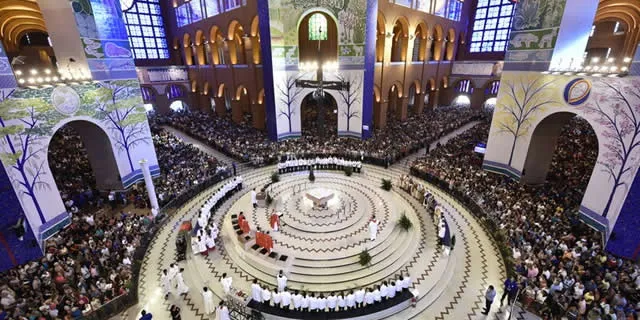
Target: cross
x: 320, y: 85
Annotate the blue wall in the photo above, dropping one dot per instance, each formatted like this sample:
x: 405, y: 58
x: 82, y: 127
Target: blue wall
x: 12, y: 251
x: 625, y: 238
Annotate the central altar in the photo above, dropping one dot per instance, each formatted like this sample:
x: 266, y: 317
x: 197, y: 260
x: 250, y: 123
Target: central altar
x: 320, y: 197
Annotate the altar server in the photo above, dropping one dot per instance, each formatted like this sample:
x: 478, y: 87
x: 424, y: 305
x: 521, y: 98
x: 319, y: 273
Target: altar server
x: 181, y: 285
x: 406, y: 283
x: 266, y: 295
x: 277, y: 298
x: 332, y: 301
x: 226, y: 283
x: 282, y: 281
x: 297, y: 301
x: 359, y: 296
x: 209, y: 241
x: 207, y: 298
x: 222, y: 312
x: 313, y: 303
x: 373, y: 228
x: 341, y: 302
x: 304, y: 303
x: 173, y: 271
x: 350, y: 300
x: 391, y: 293
x: 376, y: 294
x: 322, y: 303
x: 254, y: 201
x: 285, y: 299
x: 165, y: 282
x: 384, y: 290
x: 368, y: 297
x: 256, y: 291
x: 202, y: 246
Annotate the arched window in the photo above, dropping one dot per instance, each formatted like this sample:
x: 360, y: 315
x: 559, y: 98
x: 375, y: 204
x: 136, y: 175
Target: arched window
x: 145, y: 28
x: 318, y: 27
x: 492, y: 25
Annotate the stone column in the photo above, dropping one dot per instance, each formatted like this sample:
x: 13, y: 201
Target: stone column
x: 151, y: 190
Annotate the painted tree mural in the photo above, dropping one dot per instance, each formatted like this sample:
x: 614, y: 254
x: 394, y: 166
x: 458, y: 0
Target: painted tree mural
x: 24, y: 144
x: 119, y: 106
x: 620, y: 117
x: 522, y: 99
x: 350, y: 98
x: 289, y: 94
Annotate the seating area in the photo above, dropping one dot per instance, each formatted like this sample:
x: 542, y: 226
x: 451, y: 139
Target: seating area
x: 557, y: 261
x: 388, y: 145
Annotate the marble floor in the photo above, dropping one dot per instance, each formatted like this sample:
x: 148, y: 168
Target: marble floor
x: 323, y: 246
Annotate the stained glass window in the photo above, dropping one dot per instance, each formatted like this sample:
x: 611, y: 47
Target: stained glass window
x: 491, y: 26
x: 318, y: 27
x: 146, y: 30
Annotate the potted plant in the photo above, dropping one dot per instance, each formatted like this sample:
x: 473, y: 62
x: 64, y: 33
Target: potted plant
x: 312, y: 177
x: 348, y: 171
x: 404, y: 222
x: 386, y: 184
x: 365, y: 257
x: 275, y: 177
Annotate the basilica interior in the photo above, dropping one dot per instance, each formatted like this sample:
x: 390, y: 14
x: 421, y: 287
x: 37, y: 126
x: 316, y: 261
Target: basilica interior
x: 319, y: 159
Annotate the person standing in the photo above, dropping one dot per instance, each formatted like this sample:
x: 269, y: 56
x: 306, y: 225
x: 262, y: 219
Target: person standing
x: 510, y: 291
x: 226, y: 283
x: 359, y: 297
x: 274, y: 221
x: 207, y: 297
x: 175, y: 312
x: 489, y: 295
x: 144, y: 315
x: 254, y: 201
x: 350, y: 300
x: 266, y: 295
x: 233, y: 164
x: 165, y: 282
x: 373, y: 228
x: 282, y: 281
x: 181, y: 285
x: 285, y: 299
x: 256, y: 291
x: 222, y: 312
x: 297, y: 301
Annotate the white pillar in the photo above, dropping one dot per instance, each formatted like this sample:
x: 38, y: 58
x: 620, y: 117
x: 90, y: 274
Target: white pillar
x: 151, y: 190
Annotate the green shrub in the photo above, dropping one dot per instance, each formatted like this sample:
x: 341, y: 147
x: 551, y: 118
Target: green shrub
x: 275, y: 177
x: 386, y: 184
x: 348, y: 171
x: 365, y: 257
x: 312, y: 177
x: 404, y: 222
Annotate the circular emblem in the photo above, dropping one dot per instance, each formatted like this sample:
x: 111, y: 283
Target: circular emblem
x: 577, y: 91
x: 65, y: 100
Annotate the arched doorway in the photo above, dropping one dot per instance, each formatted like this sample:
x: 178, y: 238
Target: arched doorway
x: 319, y: 115
x: 244, y: 101
x: 489, y: 105
x: 393, y: 107
x: 82, y: 163
x: 236, y: 43
x: 380, y: 37
x: 178, y: 106
x: 399, y: 41
x: 188, y: 49
x: 318, y: 38
x: 411, y: 99
x: 562, y: 145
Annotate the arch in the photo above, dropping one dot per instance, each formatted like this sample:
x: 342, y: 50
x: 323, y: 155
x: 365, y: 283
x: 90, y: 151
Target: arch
x: 236, y: 36
x: 255, y: 40
x: 188, y: 50
x: 243, y: 98
x: 148, y: 93
x: 216, y: 45
x: 412, y: 96
x: 436, y: 43
x: 461, y: 101
x: 451, y: 44
x: 261, y: 96
x: 381, y: 35
x: 314, y: 115
x: 400, y: 40
x: 542, y: 146
x: 221, y: 90
x: 194, y: 85
x: 420, y: 42
x: 431, y: 85
x: 205, y: 88
x: 200, y: 47
x: 376, y: 93
x: 308, y: 47
x: 393, y: 98
x: 445, y: 82
x: 99, y: 152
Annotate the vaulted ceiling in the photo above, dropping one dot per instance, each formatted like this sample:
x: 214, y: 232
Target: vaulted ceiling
x: 18, y: 17
x: 627, y: 11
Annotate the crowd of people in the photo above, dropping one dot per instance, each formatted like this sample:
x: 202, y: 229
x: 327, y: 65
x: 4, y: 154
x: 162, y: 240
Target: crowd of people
x: 85, y: 265
x: 387, y: 145
x: 283, y: 298
x: 560, y: 266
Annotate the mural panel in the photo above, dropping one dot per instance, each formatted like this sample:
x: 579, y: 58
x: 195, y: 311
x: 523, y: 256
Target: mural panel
x: 610, y: 105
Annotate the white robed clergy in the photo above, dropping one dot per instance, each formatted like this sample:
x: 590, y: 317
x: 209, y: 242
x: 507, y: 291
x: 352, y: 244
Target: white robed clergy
x: 181, y: 285
x: 207, y: 300
x: 222, y: 312
x: 282, y: 281
x: 226, y: 283
x: 256, y: 291
x: 165, y: 282
x: 373, y: 228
